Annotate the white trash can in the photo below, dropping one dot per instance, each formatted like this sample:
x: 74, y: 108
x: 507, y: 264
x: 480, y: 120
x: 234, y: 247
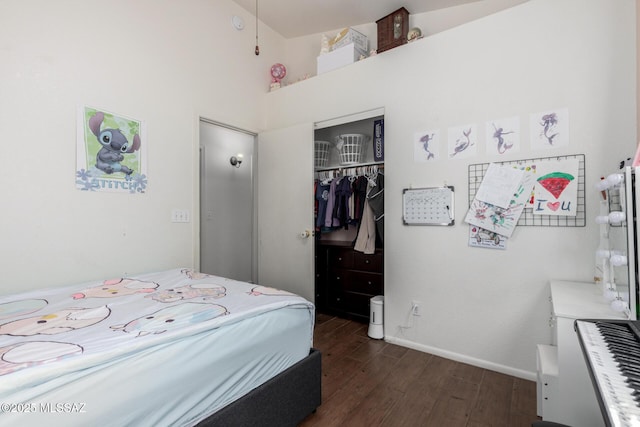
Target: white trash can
x: 376, y: 317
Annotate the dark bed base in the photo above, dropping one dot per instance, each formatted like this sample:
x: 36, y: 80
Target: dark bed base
x: 284, y: 400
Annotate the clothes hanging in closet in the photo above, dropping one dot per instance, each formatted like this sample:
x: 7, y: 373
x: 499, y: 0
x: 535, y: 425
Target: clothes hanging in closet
x: 334, y: 204
x: 329, y: 220
x: 366, y: 239
x: 359, y: 196
x: 342, y: 201
x: 341, y: 212
x: 375, y: 197
x: 322, y: 197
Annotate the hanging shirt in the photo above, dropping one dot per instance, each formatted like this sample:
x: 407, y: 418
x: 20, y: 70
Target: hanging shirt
x: 359, y: 196
x: 366, y: 239
x: 322, y: 196
x: 375, y: 197
x: 341, y: 211
x: 331, y: 201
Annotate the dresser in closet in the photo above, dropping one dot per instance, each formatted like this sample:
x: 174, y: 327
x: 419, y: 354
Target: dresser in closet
x: 346, y: 279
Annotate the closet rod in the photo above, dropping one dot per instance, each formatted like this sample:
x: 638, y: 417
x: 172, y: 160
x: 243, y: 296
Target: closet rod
x: 379, y: 164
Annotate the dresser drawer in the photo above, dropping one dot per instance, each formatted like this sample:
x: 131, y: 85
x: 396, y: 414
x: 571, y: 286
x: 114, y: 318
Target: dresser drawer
x: 365, y: 283
x: 335, y: 299
x: 341, y: 258
x: 368, y: 262
x: 356, y: 303
x: 337, y: 278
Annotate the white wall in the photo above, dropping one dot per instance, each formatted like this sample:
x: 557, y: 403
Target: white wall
x: 161, y: 61
x: 300, y: 55
x: 484, y: 306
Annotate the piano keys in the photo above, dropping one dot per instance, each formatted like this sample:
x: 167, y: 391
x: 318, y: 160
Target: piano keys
x: 612, y: 352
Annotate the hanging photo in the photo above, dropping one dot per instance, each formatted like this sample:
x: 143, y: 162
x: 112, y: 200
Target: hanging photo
x: 481, y: 238
x: 503, y: 136
x: 462, y: 141
x: 556, y: 188
x: 110, y: 154
x: 426, y: 146
x: 549, y: 129
x: 501, y: 219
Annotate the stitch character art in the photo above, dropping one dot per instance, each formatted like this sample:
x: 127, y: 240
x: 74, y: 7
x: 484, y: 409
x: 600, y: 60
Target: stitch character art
x: 264, y: 290
x: 117, y: 288
x: 171, y: 318
x: 21, y: 307
x: 23, y: 355
x: 56, y: 323
x: 114, y: 146
x: 204, y: 291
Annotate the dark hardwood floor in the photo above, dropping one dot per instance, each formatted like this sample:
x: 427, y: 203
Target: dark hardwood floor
x: 367, y: 382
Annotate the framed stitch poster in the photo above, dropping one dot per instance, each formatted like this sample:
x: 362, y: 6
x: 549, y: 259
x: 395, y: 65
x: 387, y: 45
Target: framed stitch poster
x: 111, y: 152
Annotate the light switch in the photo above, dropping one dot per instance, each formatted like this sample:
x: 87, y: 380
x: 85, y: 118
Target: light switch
x: 180, y: 215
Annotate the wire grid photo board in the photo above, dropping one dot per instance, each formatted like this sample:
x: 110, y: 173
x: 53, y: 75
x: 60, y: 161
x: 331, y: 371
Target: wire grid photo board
x: 477, y: 172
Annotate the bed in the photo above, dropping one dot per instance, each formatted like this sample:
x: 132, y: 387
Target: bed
x: 177, y: 348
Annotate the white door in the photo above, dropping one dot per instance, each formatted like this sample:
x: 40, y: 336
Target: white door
x: 285, y: 210
x: 226, y: 202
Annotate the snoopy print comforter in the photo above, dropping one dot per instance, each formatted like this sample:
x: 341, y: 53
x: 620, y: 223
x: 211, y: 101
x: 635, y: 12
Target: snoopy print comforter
x: 49, y: 335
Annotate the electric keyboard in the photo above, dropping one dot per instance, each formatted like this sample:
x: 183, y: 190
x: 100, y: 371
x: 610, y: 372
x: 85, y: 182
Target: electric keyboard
x: 612, y: 351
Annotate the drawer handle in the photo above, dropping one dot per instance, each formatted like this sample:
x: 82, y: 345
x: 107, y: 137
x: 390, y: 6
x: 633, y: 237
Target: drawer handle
x: 339, y: 258
x: 366, y: 261
x: 369, y: 282
x: 338, y: 278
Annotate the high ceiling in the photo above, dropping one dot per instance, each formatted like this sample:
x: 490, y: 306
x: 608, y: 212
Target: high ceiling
x: 295, y: 18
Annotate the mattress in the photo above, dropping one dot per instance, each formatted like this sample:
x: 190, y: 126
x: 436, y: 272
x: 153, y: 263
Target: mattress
x: 167, y: 348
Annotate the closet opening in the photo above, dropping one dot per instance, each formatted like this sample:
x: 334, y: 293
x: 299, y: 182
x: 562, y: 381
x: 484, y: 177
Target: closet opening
x: 349, y: 214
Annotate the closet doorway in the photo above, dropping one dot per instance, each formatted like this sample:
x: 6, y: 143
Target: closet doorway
x: 349, y: 221
x: 227, y: 200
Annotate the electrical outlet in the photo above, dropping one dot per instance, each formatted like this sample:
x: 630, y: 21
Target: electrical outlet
x: 416, y: 309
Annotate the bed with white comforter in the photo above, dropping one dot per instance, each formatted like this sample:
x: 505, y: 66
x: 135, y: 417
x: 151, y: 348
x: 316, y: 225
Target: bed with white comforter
x: 167, y: 348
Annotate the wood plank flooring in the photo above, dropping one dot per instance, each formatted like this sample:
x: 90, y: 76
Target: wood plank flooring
x: 367, y: 382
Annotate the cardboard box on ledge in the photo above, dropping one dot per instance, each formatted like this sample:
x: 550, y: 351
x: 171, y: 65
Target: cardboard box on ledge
x: 349, y: 35
x: 338, y: 58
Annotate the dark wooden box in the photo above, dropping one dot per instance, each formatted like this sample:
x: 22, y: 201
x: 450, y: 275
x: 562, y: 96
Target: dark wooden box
x: 393, y: 29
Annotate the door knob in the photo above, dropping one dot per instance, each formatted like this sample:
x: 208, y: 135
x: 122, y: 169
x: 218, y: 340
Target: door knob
x: 306, y: 234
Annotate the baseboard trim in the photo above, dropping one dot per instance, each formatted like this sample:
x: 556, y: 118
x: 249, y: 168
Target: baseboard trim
x: 519, y: 373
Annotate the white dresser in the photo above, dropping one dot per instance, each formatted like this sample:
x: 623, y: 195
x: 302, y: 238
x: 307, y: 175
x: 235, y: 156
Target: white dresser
x: 565, y: 393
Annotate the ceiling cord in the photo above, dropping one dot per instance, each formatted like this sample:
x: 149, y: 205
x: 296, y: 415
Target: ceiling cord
x: 257, y: 47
